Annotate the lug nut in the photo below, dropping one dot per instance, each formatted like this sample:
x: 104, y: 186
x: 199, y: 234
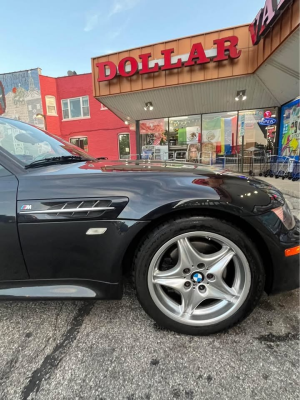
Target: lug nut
x: 187, y: 284
x: 186, y: 271
x: 201, y: 265
x: 210, y: 276
x: 202, y: 288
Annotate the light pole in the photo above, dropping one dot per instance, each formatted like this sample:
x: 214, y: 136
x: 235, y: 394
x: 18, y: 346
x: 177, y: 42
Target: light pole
x: 44, y: 117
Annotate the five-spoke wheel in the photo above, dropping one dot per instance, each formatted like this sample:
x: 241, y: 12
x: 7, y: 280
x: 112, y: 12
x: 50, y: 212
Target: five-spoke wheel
x: 198, y: 275
x: 200, y: 288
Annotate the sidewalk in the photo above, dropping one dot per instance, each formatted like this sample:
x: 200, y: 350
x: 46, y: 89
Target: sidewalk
x: 291, y: 191
x: 285, y: 186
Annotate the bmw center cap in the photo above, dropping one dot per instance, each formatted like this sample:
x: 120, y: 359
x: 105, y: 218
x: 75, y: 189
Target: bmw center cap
x: 197, y: 277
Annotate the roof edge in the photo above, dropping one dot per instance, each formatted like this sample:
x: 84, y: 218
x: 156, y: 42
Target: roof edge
x: 172, y: 40
x: 22, y: 70
x: 66, y: 76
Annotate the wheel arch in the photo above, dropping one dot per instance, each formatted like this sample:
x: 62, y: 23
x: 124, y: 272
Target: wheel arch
x: 220, y: 214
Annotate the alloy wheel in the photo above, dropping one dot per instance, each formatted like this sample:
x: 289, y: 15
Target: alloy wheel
x: 199, y: 278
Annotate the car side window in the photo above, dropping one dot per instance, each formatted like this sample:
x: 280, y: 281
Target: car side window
x: 4, y: 172
x: 19, y: 143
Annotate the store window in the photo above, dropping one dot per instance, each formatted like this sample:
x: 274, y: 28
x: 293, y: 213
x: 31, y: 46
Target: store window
x: 204, y: 138
x: 289, y: 140
x: 81, y: 142
x: 185, y: 137
x: 219, y: 134
x: 50, y: 105
x: 154, y: 140
x: 124, y: 146
x: 259, y: 128
x: 76, y: 108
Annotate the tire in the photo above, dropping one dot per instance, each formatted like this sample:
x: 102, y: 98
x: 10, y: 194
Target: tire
x: 163, y: 242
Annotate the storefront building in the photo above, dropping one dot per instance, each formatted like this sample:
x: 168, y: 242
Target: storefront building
x: 210, y: 95
x: 65, y: 106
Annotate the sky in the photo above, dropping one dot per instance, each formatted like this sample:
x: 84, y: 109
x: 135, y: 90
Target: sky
x: 62, y: 35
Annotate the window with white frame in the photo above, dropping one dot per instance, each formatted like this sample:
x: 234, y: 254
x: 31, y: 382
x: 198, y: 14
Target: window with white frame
x: 51, y: 105
x: 75, y: 108
x: 81, y: 142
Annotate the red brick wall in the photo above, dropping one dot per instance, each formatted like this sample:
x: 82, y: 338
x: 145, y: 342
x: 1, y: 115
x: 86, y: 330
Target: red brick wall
x: 102, y: 128
x: 48, y: 87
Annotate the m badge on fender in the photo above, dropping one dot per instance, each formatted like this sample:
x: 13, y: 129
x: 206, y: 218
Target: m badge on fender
x: 26, y: 207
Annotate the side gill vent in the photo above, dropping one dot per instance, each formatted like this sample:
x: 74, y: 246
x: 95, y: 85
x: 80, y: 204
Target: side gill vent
x: 92, y: 205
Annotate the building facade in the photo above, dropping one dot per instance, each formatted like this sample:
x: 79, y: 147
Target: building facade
x: 211, y: 94
x: 72, y: 113
x: 66, y: 107
x: 20, y: 96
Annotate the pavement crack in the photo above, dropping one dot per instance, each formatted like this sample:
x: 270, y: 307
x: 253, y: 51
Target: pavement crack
x: 52, y: 360
x: 12, y: 363
x: 9, y: 366
x: 56, y: 321
x: 271, y: 338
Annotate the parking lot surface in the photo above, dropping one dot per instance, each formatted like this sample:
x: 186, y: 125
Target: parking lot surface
x: 112, y: 350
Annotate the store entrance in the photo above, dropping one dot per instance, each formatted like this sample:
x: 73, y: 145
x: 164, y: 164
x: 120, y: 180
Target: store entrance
x: 210, y: 138
x: 177, y: 139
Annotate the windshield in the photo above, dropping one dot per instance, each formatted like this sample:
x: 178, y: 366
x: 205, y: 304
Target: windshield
x: 29, y: 144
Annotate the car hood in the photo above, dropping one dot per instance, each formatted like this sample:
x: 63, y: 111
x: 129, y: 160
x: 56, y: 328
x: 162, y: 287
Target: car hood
x: 148, y: 186
x: 142, y: 166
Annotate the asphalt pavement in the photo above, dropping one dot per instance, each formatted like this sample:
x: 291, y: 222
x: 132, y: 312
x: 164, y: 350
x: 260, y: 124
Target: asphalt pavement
x: 111, y: 350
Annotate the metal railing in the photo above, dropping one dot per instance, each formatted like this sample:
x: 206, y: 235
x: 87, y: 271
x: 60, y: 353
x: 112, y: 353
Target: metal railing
x: 252, y: 162
x: 179, y: 155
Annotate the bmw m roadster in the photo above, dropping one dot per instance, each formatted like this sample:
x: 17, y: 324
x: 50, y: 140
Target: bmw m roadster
x: 201, y: 244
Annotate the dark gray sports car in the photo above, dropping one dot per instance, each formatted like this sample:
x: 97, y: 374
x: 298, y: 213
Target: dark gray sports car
x: 201, y: 244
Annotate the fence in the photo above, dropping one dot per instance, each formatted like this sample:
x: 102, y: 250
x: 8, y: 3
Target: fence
x: 257, y: 162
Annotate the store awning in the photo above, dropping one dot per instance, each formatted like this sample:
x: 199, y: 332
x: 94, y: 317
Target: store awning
x: 273, y: 84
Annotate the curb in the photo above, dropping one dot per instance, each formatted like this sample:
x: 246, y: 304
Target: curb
x: 291, y: 193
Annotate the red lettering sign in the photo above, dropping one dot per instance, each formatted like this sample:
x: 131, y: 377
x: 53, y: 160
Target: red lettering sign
x: 265, y: 19
x: 167, y: 60
x: 103, y: 68
x: 122, y: 65
x: 268, y: 15
x: 145, y: 64
x: 254, y: 28
x: 226, y: 48
x: 197, y: 54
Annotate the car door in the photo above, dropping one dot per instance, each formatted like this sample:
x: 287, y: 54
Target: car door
x: 12, y: 265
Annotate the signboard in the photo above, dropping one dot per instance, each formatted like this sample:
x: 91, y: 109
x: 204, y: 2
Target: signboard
x: 289, y: 140
x: 266, y: 18
x: 242, y: 126
x: 268, y: 121
x: 226, y: 48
